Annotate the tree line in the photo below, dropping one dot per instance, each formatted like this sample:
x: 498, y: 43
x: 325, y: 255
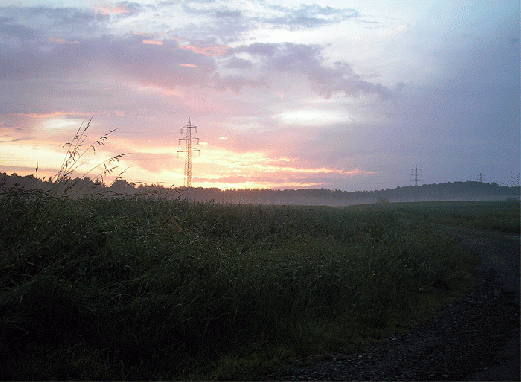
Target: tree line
x: 469, y: 190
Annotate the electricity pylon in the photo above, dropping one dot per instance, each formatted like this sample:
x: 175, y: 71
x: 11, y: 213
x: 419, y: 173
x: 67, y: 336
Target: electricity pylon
x: 414, y: 172
x: 188, y: 150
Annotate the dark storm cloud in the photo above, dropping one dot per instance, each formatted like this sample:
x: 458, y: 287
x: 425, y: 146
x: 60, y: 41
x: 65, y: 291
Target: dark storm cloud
x: 307, y: 60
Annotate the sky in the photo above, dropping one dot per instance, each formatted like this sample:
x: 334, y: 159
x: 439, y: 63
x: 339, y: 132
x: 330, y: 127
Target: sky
x: 337, y: 94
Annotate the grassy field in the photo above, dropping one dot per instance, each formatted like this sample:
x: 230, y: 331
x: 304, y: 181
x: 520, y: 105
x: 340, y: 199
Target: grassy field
x: 142, y: 288
x: 493, y: 216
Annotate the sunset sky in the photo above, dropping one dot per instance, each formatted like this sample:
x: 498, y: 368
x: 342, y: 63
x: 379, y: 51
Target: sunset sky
x: 338, y: 94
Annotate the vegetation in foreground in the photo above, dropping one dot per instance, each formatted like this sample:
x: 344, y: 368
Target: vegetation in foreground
x: 144, y: 288
x: 492, y: 215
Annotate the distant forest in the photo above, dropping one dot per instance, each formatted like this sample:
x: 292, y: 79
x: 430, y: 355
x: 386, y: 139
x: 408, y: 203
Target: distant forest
x: 468, y: 191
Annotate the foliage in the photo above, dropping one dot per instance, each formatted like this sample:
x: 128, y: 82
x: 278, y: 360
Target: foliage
x: 148, y: 288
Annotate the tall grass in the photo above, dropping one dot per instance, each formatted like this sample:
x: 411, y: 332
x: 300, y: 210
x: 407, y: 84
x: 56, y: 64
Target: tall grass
x: 77, y: 149
x: 499, y: 216
x: 145, y: 288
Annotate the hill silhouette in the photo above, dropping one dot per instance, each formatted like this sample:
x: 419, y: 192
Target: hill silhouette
x: 461, y: 191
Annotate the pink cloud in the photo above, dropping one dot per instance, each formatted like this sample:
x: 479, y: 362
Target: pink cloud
x: 119, y: 9
x: 189, y: 65
x: 107, y: 9
x: 153, y: 42
x: 206, y: 50
x: 59, y: 40
x: 55, y: 114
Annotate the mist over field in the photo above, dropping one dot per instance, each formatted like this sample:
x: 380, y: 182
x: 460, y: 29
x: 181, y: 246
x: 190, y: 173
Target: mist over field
x: 457, y: 191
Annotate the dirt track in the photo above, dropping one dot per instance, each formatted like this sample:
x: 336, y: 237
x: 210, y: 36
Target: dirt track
x: 475, y: 338
x: 499, y: 252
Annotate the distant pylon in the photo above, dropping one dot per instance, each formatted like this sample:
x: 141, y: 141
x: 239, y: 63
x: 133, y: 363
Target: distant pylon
x: 414, y: 172
x: 188, y: 150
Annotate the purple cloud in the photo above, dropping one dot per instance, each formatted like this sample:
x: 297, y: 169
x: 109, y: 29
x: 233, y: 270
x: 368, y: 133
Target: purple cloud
x: 165, y: 65
x: 239, y: 63
x: 308, y: 61
x: 10, y: 31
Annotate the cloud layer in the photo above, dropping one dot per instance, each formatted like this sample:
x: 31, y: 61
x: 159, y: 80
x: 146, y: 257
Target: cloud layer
x: 352, y: 95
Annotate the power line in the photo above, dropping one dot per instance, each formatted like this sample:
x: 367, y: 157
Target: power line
x: 188, y: 150
x: 416, y: 173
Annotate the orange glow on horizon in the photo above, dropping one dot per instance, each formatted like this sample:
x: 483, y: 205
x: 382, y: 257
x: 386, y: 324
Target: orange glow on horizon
x: 251, y: 185
x: 148, y: 160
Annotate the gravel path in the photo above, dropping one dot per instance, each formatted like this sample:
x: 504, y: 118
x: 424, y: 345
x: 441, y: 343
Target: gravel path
x: 475, y: 338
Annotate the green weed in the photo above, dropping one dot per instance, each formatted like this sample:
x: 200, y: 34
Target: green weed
x: 148, y: 288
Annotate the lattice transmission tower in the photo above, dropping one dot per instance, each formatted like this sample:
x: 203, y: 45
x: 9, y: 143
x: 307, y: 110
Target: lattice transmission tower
x: 416, y: 173
x: 188, y: 150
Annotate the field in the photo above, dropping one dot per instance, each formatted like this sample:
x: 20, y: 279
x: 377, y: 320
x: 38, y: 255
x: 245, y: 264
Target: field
x: 142, y: 288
